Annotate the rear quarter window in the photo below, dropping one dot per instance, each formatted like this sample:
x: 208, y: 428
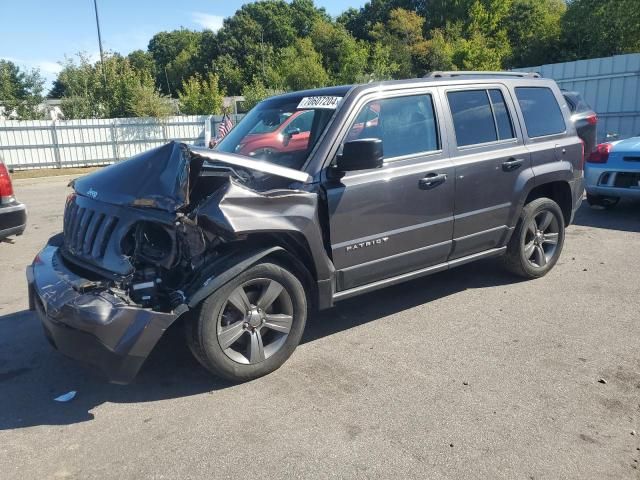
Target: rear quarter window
x: 542, y: 114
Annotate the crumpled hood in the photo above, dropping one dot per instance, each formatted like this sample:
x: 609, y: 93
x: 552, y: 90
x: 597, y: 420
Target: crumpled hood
x: 161, y: 178
x: 158, y: 178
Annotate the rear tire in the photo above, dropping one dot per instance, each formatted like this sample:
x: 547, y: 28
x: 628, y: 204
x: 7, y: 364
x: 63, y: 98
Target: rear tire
x: 602, y: 201
x: 251, y: 325
x: 537, y: 241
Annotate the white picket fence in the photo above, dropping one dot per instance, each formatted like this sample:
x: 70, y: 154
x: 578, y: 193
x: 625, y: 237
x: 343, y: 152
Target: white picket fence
x: 76, y: 143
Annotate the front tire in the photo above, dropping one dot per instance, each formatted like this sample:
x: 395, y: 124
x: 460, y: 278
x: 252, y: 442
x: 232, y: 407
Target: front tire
x: 251, y: 325
x: 537, y: 241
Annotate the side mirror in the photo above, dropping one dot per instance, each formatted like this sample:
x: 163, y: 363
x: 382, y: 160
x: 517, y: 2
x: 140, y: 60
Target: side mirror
x: 288, y: 134
x: 360, y: 154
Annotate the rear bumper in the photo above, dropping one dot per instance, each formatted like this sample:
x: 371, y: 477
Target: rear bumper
x: 89, y: 323
x: 13, y: 219
x: 600, y: 180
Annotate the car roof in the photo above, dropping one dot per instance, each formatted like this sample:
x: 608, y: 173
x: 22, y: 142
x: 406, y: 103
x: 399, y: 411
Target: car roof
x: 435, y: 78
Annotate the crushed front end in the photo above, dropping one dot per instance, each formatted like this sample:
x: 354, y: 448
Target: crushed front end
x: 139, y: 239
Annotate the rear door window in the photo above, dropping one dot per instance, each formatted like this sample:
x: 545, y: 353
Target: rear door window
x: 542, y: 114
x: 472, y: 117
x: 503, y: 120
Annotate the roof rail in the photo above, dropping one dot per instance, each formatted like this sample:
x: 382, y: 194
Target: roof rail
x: 461, y: 73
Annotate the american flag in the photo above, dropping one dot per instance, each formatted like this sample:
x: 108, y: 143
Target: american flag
x: 225, y: 126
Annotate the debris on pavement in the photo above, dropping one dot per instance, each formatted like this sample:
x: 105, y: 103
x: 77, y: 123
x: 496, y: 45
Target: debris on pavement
x: 67, y: 397
x: 602, y: 380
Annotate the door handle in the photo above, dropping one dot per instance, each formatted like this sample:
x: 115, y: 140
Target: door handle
x: 432, y: 180
x: 512, y: 164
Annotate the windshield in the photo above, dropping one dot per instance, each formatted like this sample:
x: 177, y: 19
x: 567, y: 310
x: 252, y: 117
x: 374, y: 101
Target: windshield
x: 281, y: 131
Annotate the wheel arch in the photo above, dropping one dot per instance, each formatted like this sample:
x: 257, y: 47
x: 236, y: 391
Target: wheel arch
x: 559, y: 191
x: 289, y: 249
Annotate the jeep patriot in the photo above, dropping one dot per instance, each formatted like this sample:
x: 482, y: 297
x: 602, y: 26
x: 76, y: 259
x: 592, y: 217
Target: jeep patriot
x: 370, y: 186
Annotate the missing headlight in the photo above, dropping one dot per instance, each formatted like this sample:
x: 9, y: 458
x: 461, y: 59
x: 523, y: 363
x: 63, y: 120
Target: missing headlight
x: 151, y: 243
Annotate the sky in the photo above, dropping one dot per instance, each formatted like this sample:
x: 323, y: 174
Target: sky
x: 39, y: 33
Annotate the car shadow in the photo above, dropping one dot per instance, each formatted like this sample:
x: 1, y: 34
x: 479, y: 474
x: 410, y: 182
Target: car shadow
x: 32, y: 373
x: 624, y: 217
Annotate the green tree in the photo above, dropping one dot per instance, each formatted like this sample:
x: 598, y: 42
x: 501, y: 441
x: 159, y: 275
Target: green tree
x: 381, y: 65
x: 142, y: 61
x: 101, y: 90
x: 201, y: 95
x: 600, y: 28
x: 146, y: 101
x: 403, y: 34
x: 299, y: 67
x: 20, y: 91
x: 255, y: 92
x: 175, y: 55
x: 533, y: 28
x: 343, y: 57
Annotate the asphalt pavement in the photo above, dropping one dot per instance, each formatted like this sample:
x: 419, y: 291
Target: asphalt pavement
x: 466, y: 374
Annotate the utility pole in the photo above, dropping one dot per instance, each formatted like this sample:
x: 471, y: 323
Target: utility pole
x: 262, y: 50
x: 104, y: 74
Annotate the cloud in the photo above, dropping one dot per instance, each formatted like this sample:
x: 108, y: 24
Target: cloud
x: 45, y: 66
x: 48, y: 67
x: 208, y: 21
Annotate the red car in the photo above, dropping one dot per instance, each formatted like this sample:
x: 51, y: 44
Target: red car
x: 290, y: 134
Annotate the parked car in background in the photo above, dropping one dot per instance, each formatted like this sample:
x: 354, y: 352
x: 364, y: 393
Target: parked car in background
x: 584, y: 119
x: 612, y: 172
x: 390, y: 181
x: 278, y: 133
x: 13, y: 214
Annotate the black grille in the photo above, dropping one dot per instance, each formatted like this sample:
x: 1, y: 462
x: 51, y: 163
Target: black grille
x: 87, y: 231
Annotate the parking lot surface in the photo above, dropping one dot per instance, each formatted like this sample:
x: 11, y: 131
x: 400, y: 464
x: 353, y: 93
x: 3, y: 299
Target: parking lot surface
x: 469, y: 373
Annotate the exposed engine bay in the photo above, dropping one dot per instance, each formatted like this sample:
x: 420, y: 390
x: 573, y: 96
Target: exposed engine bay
x: 150, y: 229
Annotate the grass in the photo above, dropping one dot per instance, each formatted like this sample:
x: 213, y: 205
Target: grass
x: 52, y: 172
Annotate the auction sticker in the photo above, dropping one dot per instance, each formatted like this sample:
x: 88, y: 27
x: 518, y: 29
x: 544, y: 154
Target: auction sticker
x: 330, y: 103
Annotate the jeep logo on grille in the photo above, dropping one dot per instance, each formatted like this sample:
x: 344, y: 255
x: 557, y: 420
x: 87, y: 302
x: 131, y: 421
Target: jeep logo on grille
x: 368, y: 243
x: 92, y: 193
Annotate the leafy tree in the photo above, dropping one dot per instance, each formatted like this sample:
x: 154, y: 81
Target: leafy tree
x: 201, y: 95
x: 299, y: 67
x: 533, y: 29
x: 270, y: 45
x: 101, y: 90
x: 175, y: 54
x: 142, y: 61
x: 146, y: 101
x: 381, y: 66
x: 439, y: 52
x: 255, y: 92
x: 362, y: 22
x: 403, y: 34
x: 20, y: 91
x: 599, y: 28
x: 343, y: 57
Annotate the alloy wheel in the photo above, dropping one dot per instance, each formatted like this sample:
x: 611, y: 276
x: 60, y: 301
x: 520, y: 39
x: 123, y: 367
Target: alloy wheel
x: 540, y: 241
x: 255, y: 321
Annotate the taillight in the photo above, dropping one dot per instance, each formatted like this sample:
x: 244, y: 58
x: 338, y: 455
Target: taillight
x: 592, y: 119
x: 6, y: 189
x: 600, y: 154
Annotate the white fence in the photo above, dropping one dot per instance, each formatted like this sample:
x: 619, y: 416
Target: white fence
x: 75, y: 143
x: 611, y: 85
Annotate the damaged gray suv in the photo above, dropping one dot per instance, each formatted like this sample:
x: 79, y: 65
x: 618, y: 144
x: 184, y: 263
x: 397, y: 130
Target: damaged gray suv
x: 365, y: 186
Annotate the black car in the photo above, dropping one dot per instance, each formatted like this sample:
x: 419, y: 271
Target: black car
x: 584, y: 119
x: 13, y: 214
x: 395, y: 180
